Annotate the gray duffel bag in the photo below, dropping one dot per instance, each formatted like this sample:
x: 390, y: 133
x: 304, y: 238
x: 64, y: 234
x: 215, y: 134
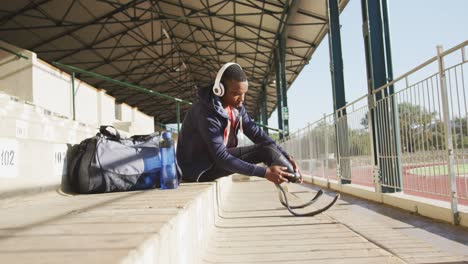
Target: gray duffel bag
x: 109, y: 163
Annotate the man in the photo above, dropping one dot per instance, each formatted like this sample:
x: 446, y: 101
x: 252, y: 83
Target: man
x: 207, y: 145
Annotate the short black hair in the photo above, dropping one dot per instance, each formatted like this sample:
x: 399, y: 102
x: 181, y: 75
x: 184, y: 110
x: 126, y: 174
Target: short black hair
x: 233, y: 73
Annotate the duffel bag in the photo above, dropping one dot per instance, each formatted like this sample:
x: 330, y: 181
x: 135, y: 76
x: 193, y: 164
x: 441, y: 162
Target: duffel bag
x: 109, y: 163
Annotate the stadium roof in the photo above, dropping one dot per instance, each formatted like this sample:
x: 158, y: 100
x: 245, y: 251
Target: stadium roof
x: 169, y: 46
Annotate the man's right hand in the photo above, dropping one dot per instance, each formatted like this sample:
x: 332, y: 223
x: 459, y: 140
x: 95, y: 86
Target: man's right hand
x: 277, y: 174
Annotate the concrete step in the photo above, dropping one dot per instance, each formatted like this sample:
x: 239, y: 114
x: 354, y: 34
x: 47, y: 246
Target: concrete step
x: 21, y: 119
x: 44, y: 128
x: 221, y: 222
x: 33, y: 146
x: 155, y: 226
x: 27, y: 164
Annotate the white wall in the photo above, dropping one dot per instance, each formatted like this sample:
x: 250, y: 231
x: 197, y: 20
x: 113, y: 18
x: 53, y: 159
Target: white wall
x: 106, y: 108
x: 86, y: 103
x: 52, y: 88
x: 125, y: 112
x: 143, y: 122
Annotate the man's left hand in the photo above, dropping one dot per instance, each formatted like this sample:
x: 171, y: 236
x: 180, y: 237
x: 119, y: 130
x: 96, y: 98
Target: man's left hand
x: 296, y: 168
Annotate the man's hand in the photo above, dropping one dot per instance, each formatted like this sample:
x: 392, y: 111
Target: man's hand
x: 277, y: 174
x: 296, y: 168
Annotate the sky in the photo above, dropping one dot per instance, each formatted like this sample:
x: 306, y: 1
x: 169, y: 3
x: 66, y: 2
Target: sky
x: 416, y: 28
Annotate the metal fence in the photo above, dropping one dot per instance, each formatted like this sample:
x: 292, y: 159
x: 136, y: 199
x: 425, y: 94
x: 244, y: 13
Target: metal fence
x: 314, y: 148
x: 410, y: 135
x: 354, y: 144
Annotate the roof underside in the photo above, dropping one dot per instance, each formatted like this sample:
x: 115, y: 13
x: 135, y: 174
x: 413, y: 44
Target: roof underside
x: 169, y: 46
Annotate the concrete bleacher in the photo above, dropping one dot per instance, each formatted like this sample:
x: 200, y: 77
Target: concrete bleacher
x: 33, y: 145
x: 43, y: 85
x: 155, y: 226
x: 37, y: 125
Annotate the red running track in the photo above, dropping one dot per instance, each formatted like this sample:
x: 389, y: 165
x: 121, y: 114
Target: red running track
x: 434, y: 187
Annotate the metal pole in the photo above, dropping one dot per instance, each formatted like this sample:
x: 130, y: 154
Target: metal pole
x: 264, y: 109
x: 178, y: 116
x: 336, y: 58
x: 393, y: 103
x: 311, y: 164
x: 279, y: 100
x: 373, y: 140
x: 284, y: 85
x: 388, y: 50
x: 448, y: 138
x: 73, y: 95
x: 338, y: 88
x: 383, y: 130
x: 326, y: 147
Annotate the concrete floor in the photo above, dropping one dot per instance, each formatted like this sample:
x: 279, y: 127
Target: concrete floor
x: 253, y: 227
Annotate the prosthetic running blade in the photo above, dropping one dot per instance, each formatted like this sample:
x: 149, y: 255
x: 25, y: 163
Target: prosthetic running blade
x: 285, y: 203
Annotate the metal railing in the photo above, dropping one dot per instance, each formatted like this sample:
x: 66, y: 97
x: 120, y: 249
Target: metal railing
x: 355, y: 144
x: 269, y: 128
x: 314, y: 148
x: 413, y: 140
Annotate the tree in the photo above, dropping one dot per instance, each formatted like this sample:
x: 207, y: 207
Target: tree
x: 419, y: 128
x: 460, y: 126
x: 359, y: 142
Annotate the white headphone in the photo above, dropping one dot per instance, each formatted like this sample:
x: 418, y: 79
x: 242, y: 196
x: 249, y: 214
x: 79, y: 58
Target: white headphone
x: 218, y: 87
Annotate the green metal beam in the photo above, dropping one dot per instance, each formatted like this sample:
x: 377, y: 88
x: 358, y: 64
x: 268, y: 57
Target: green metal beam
x: 178, y: 116
x: 279, y: 94
x: 264, y: 110
x: 284, y: 86
x: 102, y: 77
x: 336, y: 59
x: 338, y: 88
x: 73, y: 95
x: 19, y: 55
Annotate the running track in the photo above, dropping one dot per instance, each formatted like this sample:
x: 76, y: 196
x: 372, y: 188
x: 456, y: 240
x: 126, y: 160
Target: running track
x: 434, y: 187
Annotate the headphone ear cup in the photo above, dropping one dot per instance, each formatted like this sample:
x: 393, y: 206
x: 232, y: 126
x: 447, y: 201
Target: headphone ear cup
x: 217, y: 90
x: 221, y: 89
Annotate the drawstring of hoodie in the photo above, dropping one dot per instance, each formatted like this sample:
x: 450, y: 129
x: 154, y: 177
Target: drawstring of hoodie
x: 232, y: 114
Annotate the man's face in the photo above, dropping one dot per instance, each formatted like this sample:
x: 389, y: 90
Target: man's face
x: 234, y: 94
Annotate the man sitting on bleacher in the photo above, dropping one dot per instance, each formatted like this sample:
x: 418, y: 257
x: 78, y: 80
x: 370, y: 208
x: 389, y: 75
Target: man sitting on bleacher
x: 207, y: 145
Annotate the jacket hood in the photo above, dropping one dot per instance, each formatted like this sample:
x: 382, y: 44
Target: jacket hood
x: 211, y: 101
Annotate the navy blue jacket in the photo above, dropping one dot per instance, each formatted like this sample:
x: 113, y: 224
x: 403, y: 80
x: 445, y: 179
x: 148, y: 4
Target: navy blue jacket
x: 200, y: 145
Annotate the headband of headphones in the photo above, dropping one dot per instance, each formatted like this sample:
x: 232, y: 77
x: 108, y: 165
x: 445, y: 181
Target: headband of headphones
x: 218, y: 87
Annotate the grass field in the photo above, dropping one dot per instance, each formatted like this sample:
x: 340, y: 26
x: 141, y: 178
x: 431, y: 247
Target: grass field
x: 439, y: 170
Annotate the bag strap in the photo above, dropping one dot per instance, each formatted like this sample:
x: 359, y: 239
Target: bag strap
x: 110, y: 132
x: 144, y: 137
